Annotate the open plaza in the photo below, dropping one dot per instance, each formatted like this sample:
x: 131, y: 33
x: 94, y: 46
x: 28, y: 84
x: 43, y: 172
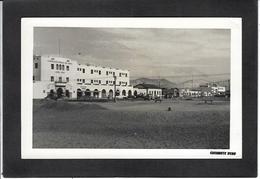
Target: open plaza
x: 131, y: 124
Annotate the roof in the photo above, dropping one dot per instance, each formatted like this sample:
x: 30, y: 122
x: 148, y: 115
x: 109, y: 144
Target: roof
x: 146, y: 86
x: 206, y: 89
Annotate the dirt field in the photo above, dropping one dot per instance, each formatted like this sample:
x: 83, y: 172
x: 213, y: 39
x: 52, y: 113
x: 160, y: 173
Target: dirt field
x: 126, y: 124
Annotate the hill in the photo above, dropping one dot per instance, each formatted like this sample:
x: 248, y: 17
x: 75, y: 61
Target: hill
x: 163, y: 83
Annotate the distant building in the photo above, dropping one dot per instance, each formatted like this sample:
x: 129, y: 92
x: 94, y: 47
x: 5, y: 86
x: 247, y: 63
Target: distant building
x: 67, y: 77
x: 170, y: 93
x: 203, y: 90
x: 147, y: 89
x: 206, y: 91
x: 219, y: 90
x: 195, y: 93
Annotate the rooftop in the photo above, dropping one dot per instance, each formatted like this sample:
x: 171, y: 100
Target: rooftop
x: 146, y: 86
x: 87, y: 64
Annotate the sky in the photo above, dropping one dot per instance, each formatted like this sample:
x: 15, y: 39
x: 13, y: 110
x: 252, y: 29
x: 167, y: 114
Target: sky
x: 145, y: 52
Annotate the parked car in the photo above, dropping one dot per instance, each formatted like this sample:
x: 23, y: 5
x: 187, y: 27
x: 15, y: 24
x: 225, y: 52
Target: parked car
x: 157, y: 99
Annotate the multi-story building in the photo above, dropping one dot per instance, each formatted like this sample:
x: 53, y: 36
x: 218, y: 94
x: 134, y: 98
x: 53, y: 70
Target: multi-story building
x: 67, y: 77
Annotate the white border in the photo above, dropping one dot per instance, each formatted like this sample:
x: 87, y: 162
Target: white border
x: 178, y: 23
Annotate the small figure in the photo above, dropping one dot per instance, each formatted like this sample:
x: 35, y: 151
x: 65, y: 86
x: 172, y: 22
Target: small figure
x: 169, y: 108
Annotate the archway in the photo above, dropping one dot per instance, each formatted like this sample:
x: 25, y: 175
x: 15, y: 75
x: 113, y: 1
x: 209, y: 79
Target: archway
x: 87, y: 93
x: 103, y: 93
x: 124, y: 93
x: 117, y: 93
x: 59, y: 92
x: 67, y: 93
x: 79, y: 93
x: 96, y: 93
x: 129, y: 93
x: 51, y: 94
x: 135, y: 93
x: 110, y: 94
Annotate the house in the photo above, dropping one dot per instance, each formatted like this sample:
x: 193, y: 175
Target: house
x: 147, y: 89
x: 170, y: 93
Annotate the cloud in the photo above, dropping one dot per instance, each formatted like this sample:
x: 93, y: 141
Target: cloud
x: 142, y: 51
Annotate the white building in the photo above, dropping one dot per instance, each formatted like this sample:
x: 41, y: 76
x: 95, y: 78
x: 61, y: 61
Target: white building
x: 148, y: 89
x: 218, y: 90
x: 69, y: 78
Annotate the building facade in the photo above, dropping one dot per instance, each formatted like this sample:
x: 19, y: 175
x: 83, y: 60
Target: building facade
x: 148, y: 89
x: 67, y: 77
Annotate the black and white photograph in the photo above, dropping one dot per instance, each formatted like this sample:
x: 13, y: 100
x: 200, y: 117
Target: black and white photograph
x: 135, y: 86
x: 129, y: 88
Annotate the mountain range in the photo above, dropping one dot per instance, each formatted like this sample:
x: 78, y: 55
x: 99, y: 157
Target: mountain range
x: 181, y: 82
x: 163, y: 83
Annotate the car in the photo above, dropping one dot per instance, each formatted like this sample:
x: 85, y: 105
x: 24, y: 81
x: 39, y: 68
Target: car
x: 157, y: 99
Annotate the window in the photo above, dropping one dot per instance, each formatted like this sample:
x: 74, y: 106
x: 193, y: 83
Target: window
x: 60, y: 79
x: 62, y: 67
x: 33, y: 78
x: 83, y: 70
x: 67, y: 79
x: 126, y: 75
x: 120, y: 74
x: 91, y: 71
x: 99, y: 81
x: 36, y: 65
x: 114, y: 73
x: 99, y: 72
x: 107, y: 72
x: 106, y: 82
x: 52, y: 66
x: 57, y: 66
x: 52, y: 78
x: 68, y: 68
x: 91, y: 81
x: 43, y: 91
x: 83, y: 80
x: 126, y: 83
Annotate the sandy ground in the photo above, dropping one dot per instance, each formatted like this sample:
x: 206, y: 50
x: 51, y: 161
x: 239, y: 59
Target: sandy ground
x: 126, y: 124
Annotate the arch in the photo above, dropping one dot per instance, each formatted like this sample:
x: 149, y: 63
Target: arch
x: 59, y: 92
x: 87, y: 93
x: 117, y: 92
x: 124, y: 93
x: 67, y: 93
x: 135, y: 93
x: 79, y: 93
x: 110, y: 94
x: 103, y: 93
x: 129, y: 93
x: 96, y: 93
x: 51, y: 94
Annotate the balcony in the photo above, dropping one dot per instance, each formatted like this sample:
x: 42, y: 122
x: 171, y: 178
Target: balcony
x: 60, y: 83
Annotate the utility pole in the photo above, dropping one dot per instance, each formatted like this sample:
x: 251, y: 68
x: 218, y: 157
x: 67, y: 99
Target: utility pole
x: 159, y: 81
x: 192, y: 80
x: 115, y: 87
x: 59, y: 47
